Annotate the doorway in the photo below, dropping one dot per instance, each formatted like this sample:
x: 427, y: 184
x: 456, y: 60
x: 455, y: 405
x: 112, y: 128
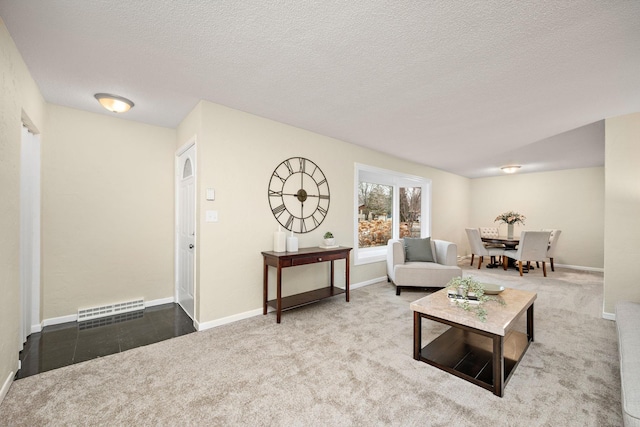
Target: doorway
x: 29, y: 233
x: 186, y: 227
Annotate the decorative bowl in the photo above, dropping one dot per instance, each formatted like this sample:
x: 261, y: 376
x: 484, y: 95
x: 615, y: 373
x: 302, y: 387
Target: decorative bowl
x: 491, y: 289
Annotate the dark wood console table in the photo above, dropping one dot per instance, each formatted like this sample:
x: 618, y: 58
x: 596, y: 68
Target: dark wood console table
x: 304, y: 256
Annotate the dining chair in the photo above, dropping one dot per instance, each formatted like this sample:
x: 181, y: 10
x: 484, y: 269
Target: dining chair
x: 492, y: 233
x: 551, y: 249
x: 477, y: 248
x: 533, y: 246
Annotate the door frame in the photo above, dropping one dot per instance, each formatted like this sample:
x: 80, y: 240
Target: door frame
x: 192, y: 142
x: 30, y: 224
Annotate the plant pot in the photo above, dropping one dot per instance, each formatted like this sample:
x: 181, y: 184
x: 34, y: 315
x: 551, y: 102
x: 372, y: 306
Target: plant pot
x: 329, y: 242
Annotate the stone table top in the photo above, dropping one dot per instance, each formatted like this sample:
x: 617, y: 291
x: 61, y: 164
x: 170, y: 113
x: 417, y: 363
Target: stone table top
x: 500, y: 318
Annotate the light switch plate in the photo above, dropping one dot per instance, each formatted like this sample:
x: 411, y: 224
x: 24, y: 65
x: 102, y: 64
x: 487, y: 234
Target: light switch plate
x: 211, y: 194
x: 211, y: 216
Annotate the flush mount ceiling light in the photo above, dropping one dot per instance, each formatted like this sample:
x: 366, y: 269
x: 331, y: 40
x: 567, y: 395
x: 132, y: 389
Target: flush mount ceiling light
x: 114, y: 103
x: 510, y: 169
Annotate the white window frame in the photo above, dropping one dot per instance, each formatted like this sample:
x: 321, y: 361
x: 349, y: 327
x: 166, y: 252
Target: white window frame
x: 396, y: 180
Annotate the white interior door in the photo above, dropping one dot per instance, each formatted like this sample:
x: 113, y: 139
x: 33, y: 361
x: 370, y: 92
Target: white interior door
x: 186, y: 230
x: 29, y: 234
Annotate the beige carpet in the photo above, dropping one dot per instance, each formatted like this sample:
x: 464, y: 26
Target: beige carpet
x: 339, y: 364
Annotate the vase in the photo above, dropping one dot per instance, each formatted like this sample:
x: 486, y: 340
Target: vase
x: 509, y: 231
x: 329, y: 242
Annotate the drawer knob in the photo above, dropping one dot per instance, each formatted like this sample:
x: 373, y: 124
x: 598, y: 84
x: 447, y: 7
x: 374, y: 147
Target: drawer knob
x: 319, y: 259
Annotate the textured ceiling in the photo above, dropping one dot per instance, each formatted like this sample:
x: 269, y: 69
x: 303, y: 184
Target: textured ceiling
x: 464, y: 86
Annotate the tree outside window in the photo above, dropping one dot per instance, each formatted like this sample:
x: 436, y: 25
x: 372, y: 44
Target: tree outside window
x: 375, y: 207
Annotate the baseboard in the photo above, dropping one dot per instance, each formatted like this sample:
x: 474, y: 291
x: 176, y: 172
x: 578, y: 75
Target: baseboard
x: 368, y: 282
x: 161, y: 301
x: 258, y: 312
x: 572, y: 267
x: 5, y: 387
x: 580, y: 267
x: 229, y: 319
x: 59, y: 320
x: 74, y: 317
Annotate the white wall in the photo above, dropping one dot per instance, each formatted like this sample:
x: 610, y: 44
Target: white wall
x: 19, y: 98
x: 107, y: 211
x: 570, y: 200
x: 237, y: 153
x: 622, y: 212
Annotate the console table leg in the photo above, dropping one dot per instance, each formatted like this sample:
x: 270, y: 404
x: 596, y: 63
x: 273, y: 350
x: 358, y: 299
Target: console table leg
x: 279, y: 295
x: 265, y: 287
x: 332, y: 277
x: 347, y: 276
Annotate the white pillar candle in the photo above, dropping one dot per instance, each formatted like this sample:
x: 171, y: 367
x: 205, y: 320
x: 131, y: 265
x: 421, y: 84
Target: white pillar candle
x: 292, y: 243
x: 279, y: 241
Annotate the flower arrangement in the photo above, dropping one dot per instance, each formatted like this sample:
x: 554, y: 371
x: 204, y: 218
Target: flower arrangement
x: 469, y: 287
x: 511, y: 217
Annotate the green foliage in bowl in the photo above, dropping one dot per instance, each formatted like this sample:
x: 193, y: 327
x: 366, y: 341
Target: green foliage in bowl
x: 468, y: 286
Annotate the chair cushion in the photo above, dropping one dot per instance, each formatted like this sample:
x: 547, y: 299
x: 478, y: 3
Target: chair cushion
x: 418, y: 250
x: 422, y: 274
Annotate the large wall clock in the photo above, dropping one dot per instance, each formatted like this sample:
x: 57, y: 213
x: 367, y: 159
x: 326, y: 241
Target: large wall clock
x: 299, y: 195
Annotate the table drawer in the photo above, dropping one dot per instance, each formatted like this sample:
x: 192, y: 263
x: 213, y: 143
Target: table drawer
x: 316, y: 258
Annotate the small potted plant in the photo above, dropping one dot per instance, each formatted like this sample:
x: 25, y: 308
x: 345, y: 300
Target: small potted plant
x: 328, y: 239
x: 468, y: 293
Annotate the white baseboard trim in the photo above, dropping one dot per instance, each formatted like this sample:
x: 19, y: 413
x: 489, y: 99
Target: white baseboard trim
x: 229, y: 319
x: 572, y: 267
x: 580, y: 267
x: 368, y: 282
x: 74, y: 317
x: 59, y: 320
x: 160, y: 301
x: 608, y: 316
x: 258, y: 312
x: 5, y: 387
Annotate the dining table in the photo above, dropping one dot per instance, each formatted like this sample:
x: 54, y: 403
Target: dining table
x: 510, y: 243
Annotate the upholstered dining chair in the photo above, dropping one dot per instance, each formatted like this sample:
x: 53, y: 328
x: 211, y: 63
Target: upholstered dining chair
x: 532, y: 247
x: 551, y: 250
x: 477, y: 248
x: 491, y: 232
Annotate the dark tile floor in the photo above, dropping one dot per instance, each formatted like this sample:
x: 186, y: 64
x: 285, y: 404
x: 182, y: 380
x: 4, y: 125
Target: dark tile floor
x: 68, y: 343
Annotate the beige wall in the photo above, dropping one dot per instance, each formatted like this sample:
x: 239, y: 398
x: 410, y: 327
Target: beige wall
x: 570, y: 200
x: 19, y: 97
x: 622, y: 210
x: 107, y: 211
x: 237, y: 153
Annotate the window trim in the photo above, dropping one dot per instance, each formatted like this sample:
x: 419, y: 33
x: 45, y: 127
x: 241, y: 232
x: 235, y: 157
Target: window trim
x: 397, y: 180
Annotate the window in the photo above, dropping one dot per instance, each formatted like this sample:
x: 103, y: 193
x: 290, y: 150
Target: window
x: 388, y: 205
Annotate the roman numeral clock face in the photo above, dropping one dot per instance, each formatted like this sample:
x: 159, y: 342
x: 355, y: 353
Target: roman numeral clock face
x: 299, y: 195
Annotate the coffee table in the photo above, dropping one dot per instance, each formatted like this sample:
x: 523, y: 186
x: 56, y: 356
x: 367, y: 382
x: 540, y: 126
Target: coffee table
x: 483, y: 353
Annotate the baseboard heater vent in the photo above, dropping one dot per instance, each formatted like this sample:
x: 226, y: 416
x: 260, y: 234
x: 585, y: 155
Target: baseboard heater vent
x: 109, y: 310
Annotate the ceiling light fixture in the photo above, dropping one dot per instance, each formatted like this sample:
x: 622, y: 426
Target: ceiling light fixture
x: 510, y: 169
x: 114, y: 103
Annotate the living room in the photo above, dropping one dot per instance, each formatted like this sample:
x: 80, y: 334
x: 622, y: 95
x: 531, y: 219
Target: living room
x: 108, y: 206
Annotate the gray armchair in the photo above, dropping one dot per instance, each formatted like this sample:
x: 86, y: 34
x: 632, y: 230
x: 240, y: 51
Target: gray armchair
x: 422, y: 274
